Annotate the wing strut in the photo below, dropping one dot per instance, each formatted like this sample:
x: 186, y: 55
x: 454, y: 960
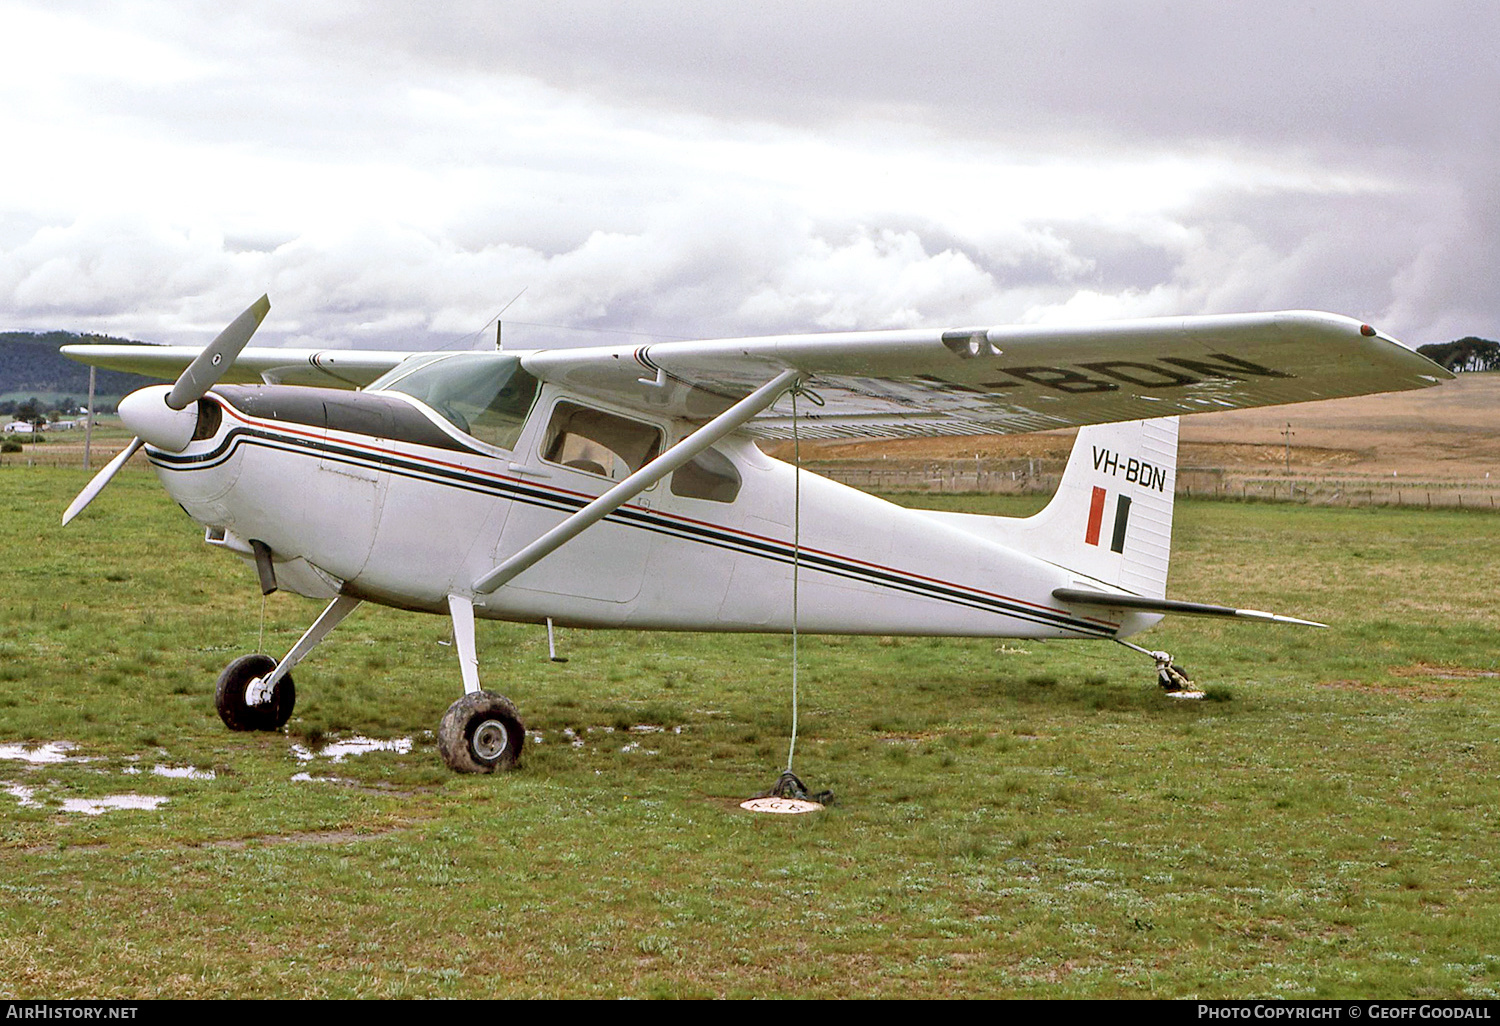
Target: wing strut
x: 731, y: 419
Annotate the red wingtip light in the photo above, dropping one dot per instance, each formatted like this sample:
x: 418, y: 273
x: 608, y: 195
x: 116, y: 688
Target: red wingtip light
x: 1367, y: 331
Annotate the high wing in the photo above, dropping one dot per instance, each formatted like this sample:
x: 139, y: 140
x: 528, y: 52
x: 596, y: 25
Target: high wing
x: 1004, y: 380
x: 964, y: 381
x: 330, y: 368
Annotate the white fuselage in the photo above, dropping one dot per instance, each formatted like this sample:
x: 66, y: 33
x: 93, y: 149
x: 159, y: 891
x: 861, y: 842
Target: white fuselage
x: 408, y: 520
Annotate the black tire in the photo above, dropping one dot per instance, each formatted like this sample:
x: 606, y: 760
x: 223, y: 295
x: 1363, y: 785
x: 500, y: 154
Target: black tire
x: 229, y: 695
x: 283, y: 701
x: 481, y: 733
x: 1173, y: 678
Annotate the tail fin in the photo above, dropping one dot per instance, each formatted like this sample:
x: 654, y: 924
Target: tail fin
x: 1111, y: 518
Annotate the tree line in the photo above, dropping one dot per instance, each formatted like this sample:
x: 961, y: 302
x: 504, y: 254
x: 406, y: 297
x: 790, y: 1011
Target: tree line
x: 1466, y: 354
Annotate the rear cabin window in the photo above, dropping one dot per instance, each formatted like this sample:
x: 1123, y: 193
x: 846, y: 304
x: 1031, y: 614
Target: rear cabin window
x: 599, y: 443
x: 709, y: 476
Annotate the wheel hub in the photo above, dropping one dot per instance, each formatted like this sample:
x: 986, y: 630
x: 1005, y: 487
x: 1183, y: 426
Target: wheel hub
x: 257, y: 692
x: 490, y: 739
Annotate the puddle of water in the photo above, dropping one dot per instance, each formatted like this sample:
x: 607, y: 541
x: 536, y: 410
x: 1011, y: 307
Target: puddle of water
x: 179, y: 772
x: 576, y: 739
x: 99, y: 806
x: 305, y: 776
x: 26, y: 796
x: 182, y: 772
x: 338, y: 750
x: 22, y: 794
x: 52, y: 751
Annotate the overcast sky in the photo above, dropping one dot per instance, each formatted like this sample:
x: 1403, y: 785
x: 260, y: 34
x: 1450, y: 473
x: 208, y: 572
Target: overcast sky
x: 393, y: 174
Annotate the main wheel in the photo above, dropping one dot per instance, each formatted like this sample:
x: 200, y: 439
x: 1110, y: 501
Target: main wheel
x: 481, y: 733
x: 236, y: 712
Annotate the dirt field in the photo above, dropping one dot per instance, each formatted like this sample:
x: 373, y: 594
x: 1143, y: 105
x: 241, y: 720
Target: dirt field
x: 1450, y: 433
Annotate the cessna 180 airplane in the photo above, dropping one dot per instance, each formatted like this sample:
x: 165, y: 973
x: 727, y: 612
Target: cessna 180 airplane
x: 621, y: 487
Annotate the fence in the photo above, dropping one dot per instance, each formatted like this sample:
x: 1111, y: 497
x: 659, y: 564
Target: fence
x: 1022, y: 477
x: 1006, y: 477
x: 45, y: 456
x: 1034, y: 476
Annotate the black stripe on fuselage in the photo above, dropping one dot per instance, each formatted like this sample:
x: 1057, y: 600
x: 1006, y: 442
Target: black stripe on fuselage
x: 539, y: 496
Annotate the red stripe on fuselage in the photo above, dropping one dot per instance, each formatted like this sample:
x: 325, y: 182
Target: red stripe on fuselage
x: 357, y: 442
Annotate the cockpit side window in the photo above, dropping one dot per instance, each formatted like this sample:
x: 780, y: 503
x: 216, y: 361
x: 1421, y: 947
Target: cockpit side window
x: 485, y: 395
x: 599, y: 443
x: 710, y: 475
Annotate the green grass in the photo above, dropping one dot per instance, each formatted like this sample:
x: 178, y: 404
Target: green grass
x: 1012, y: 819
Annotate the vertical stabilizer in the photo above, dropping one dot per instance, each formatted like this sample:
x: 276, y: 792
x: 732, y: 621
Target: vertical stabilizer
x: 1110, y: 521
x: 1111, y: 518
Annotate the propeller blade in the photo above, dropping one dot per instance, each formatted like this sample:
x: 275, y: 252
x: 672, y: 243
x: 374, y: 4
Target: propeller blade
x: 101, y: 479
x: 211, y: 364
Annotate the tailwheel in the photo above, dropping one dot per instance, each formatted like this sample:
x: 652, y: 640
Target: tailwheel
x: 1173, y: 679
x: 481, y: 733
x: 244, y: 703
x: 1169, y: 675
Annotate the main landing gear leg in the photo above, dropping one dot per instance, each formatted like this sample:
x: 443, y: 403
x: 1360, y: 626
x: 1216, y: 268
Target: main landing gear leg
x: 256, y: 693
x: 481, y: 732
x: 1172, y: 678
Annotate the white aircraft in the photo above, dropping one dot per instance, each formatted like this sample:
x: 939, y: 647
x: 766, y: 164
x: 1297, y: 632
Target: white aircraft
x: 621, y: 487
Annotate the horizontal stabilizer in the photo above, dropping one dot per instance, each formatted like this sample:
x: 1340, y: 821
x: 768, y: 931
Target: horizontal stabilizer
x: 1119, y: 601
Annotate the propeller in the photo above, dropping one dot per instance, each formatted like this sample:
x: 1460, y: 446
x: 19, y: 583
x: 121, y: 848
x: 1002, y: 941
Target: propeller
x: 160, y: 415
x: 211, y: 364
x: 101, y: 479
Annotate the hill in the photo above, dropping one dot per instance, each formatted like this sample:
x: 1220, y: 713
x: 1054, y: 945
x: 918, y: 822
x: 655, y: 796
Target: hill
x: 30, y: 365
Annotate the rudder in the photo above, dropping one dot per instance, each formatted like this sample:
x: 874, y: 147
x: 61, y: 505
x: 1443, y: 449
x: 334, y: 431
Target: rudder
x: 1111, y: 517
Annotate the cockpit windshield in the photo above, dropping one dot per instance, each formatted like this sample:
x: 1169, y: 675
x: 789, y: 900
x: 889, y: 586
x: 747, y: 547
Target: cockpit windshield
x: 484, y: 395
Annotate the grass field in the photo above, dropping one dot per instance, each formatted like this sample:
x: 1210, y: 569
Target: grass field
x: 1011, y: 819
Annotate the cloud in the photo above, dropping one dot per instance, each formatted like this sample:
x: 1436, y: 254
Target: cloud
x: 1341, y: 73
x: 394, y: 175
